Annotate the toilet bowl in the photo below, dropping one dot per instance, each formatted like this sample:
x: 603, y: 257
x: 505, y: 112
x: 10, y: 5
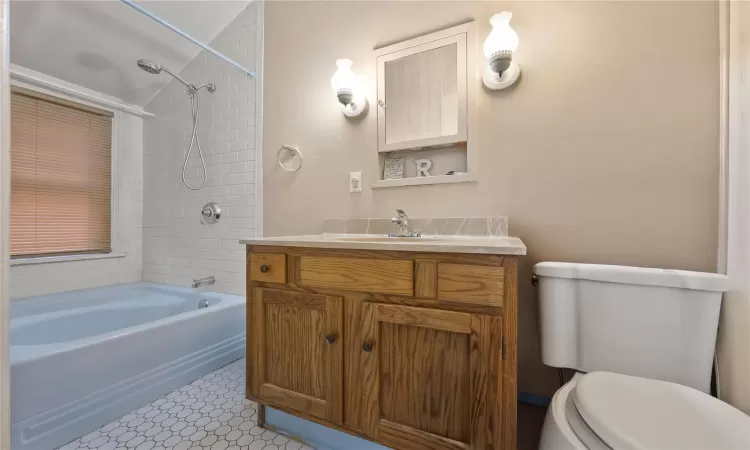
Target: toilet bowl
x: 642, y: 342
x: 607, y: 411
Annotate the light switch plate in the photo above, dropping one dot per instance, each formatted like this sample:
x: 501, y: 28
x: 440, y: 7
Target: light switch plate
x: 355, y: 181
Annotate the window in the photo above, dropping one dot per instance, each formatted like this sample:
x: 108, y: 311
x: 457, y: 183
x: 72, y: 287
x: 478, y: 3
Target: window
x: 61, y: 174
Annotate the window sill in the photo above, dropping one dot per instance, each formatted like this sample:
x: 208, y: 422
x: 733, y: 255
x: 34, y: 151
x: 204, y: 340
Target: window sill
x: 65, y: 258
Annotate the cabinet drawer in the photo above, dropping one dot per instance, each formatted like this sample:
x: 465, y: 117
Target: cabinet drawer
x: 383, y: 276
x: 480, y: 285
x: 268, y: 267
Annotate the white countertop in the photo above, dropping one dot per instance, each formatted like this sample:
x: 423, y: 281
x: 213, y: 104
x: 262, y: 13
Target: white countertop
x: 491, y: 245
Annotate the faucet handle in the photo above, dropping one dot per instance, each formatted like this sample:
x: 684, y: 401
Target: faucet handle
x: 402, y: 217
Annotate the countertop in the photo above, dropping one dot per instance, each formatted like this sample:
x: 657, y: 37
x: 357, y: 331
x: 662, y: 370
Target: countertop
x: 491, y: 245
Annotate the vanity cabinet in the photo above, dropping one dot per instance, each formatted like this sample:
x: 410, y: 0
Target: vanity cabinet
x: 410, y: 350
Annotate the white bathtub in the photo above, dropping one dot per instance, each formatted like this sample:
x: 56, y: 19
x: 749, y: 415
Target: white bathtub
x: 82, y: 359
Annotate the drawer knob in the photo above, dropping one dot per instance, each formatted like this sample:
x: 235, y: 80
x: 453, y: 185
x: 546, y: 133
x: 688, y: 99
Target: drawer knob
x: 367, y: 346
x: 331, y: 338
x: 264, y: 268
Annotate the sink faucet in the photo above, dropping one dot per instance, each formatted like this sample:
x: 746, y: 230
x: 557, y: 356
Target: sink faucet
x: 402, y: 224
x: 203, y: 282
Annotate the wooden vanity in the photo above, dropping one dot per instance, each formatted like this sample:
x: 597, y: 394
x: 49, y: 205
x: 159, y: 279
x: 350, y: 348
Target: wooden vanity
x: 410, y: 349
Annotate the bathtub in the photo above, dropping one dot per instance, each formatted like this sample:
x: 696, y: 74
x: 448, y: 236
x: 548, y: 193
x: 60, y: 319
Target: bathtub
x: 79, y: 360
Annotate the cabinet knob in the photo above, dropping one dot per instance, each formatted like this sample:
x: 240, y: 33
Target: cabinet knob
x: 264, y: 268
x: 367, y: 346
x: 331, y: 338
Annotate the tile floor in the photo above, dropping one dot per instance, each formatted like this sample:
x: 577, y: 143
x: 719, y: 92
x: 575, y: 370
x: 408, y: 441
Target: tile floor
x: 208, y: 414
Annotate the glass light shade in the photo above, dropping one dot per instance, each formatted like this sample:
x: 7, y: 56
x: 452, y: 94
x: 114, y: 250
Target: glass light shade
x: 344, y: 78
x: 502, y: 37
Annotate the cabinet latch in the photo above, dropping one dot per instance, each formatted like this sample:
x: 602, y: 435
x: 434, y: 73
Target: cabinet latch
x: 502, y: 346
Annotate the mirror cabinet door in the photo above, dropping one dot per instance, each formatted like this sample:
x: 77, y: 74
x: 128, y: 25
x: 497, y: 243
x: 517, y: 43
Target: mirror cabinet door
x: 422, y: 95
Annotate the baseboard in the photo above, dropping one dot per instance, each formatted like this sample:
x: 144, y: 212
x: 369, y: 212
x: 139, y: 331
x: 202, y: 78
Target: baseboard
x: 533, y: 399
x: 315, y: 435
x: 321, y: 437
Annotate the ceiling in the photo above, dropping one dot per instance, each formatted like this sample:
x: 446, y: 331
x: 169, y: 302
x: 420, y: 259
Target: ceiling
x: 95, y: 44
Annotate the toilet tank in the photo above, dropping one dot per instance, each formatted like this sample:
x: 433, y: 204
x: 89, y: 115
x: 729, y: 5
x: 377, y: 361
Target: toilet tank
x: 653, y: 323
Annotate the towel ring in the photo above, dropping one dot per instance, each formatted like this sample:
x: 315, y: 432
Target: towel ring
x: 289, y: 158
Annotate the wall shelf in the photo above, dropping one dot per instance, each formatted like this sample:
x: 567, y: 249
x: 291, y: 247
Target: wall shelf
x: 417, y: 181
x: 462, y: 145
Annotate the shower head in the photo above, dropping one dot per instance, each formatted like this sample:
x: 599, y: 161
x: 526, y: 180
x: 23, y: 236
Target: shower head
x: 149, y: 66
x: 153, y: 68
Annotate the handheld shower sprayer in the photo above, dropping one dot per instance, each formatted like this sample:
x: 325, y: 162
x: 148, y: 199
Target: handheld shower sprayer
x: 149, y: 66
x: 155, y: 69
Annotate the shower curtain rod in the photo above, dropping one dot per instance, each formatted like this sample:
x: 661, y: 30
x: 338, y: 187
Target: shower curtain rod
x: 188, y: 37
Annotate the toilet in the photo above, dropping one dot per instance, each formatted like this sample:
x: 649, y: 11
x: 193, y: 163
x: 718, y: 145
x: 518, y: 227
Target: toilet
x: 642, y: 344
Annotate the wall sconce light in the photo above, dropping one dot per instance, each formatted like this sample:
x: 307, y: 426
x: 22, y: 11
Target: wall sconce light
x: 501, y: 70
x: 347, y: 89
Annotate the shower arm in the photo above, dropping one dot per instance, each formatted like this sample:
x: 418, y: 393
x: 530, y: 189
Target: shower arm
x: 180, y: 79
x: 192, y: 89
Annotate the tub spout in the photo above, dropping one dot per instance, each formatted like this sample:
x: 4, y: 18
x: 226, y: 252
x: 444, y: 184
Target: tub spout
x: 203, y: 282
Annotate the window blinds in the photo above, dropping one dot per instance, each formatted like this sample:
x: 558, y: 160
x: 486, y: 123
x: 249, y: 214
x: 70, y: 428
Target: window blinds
x: 60, y: 177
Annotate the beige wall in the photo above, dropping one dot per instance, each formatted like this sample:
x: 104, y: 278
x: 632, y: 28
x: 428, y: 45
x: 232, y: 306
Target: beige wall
x: 605, y: 152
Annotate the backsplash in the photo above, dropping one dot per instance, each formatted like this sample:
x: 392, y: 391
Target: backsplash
x: 451, y: 226
x: 176, y: 248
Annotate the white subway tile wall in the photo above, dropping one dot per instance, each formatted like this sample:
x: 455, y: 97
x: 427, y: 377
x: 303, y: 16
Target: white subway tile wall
x: 176, y: 247
x: 48, y: 278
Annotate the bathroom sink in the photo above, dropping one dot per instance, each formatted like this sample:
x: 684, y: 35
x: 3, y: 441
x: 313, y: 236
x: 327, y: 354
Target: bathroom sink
x: 386, y: 239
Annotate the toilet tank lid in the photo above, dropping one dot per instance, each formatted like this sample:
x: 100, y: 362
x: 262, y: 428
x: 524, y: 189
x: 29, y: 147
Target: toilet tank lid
x: 634, y: 275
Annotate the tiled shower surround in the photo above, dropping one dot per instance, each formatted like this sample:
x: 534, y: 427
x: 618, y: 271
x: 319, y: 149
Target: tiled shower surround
x: 209, y: 414
x: 176, y: 247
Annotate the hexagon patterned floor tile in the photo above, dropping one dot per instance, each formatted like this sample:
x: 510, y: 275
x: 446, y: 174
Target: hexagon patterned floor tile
x: 208, y: 414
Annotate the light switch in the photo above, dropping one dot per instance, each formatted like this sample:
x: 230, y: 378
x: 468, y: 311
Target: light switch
x: 355, y: 181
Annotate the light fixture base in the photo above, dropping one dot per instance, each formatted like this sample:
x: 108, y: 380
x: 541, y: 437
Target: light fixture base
x: 344, y: 96
x: 500, y: 61
x: 498, y: 81
x: 356, y: 108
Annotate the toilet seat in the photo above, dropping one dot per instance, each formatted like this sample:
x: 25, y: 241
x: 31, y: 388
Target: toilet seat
x: 581, y: 429
x: 615, y: 411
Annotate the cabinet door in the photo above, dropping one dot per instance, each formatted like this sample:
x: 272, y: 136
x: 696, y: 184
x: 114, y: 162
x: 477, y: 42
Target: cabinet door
x: 296, y: 351
x: 431, y: 378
